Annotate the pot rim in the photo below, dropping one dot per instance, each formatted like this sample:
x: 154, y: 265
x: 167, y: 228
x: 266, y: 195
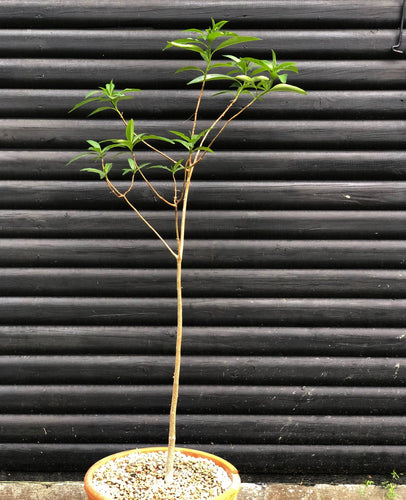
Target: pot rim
x: 231, y: 471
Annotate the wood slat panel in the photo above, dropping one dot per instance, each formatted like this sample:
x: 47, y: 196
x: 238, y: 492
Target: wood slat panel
x: 310, y: 13
x: 294, y: 300
x: 203, y: 253
x: 223, y: 399
x: 256, y: 165
x: 259, y: 459
x: 352, y: 134
x: 139, y: 42
x: 79, y: 73
x: 203, y: 429
x: 157, y: 104
x: 309, y: 224
x: 258, y: 340
x: 204, y: 312
x: 244, y: 370
x: 203, y: 283
x: 253, y: 195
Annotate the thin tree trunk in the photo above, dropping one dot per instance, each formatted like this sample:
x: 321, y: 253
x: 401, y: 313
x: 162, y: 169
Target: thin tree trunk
x: 175, y: 387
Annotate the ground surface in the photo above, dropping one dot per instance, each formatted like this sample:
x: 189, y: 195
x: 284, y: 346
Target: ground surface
x: 31, y: 490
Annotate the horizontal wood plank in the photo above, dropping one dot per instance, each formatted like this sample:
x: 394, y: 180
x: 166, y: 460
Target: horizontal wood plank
x: 138, y: 42
x: 351, y: 134
x: 229, y: 253
x: 309, y: 224
x: 178, y: 104
x: 243, y: 370
x: 238, y: 341
x: 204, y: 312
x: 259, y: 459
x: 203, y: 283
x: 204, y: 429
x: 285, y: 164
x: 310, y: 13
x: 223, y: 399
x: 209, y: 195
x: 80, y: 73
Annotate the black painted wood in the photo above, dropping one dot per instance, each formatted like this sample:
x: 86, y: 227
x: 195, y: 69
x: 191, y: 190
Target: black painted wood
x: 263, y: 459
x: 258, y: 341
x: 229, y: 253
x: 130, y: 43
x: 223, y: 429
x: 244, y: 370
x: 307, y: 224
x: 285, y: 164
x: 294, y: 344
x: 221, y: 399
x: 53, y: 103
x: 261, y: 13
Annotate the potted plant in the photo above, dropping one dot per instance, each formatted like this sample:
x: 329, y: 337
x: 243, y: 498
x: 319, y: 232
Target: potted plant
x: 248, y: 80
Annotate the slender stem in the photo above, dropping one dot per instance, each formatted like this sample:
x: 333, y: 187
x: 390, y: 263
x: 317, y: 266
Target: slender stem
x: 162, y: 198
x: 176, y: 375
x: 179, y: 333
x: 200, y: 158
x: 229, y: 106
x: 117, y: 193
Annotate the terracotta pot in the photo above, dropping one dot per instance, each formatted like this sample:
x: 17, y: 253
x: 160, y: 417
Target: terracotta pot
x: 231, y: 471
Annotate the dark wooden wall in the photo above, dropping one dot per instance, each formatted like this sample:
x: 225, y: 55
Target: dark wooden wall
x: 295, y: 279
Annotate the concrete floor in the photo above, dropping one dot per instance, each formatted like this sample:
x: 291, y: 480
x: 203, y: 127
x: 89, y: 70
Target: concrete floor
x: 30, y: 490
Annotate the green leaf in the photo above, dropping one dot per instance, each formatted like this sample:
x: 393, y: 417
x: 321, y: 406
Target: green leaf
x: 100, y: 109
x: 189, y: 68
x: 95, y: 171
x: 132, y: 164
x: 82, y: 103
x: 283, y: 78
x: 284, y: 87
x: 204, y: 148
x: 180, y: 134
x: 94, y: 145
x: 186, y: 46
x: 129, y: 131
x: 107, y: 167
x: 78, y: 156
x: 234, y: 41
x: 157, y: 137
x: 210, y: 77
x: 288, y: 66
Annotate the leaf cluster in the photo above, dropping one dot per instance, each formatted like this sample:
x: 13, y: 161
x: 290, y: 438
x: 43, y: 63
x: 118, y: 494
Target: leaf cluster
x: 105, y: 95
x: 247, y: 75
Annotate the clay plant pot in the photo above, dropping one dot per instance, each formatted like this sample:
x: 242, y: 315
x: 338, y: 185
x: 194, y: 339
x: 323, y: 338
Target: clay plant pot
x: 229, y: 494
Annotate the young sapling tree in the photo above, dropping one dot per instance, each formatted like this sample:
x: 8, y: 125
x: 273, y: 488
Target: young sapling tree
x: 246, y: 78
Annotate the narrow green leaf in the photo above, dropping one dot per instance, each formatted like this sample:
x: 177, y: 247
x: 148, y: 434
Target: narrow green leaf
x: 185, y: 46
x: 234, y: 41
x: 210, y: 77
x: 204, y: 148
x: 132, y: 164
x: 180, y: 134
x: 284, y: 87
x: 94, y: 171
x: 129, y: 131
x: 107, y: 167
x: 189, y: 68
x: 161, y: 167
x: 94, y: 144
x: 78, y: 156
x: 158, y: 138
x: 100, y: 109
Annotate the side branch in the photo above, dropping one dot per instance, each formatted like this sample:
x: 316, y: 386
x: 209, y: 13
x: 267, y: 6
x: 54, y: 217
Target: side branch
x: 117, y: 193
